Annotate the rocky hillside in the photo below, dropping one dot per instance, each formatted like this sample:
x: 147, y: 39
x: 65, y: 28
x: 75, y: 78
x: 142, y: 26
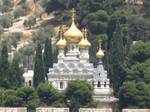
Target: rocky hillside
x: 28, y: 18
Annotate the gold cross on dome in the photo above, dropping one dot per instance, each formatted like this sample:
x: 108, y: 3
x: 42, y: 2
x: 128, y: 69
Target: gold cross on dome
x: 73, y: 14
x: 99, y: 43
x: 61, y: 31
x: 85, y: 32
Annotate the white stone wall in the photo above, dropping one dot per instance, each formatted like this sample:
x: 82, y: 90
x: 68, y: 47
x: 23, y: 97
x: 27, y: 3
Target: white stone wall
x: 5, y: 109
x: 95, y: 110
x: 136, y: 110
x: 43, y: 109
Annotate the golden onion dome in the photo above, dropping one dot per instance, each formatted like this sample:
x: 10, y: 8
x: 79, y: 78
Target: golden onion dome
x: 73, y: 34
x: 100, y: 53
x: 88, y: 44
x: 84, y: 43
x: 62, y: 43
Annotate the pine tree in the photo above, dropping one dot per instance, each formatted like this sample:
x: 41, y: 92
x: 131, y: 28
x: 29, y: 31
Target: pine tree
x: 4, y: 66
x: 38, y: 67
x: 116, y: 57
x: 16, y: 78
x: 48, y: 56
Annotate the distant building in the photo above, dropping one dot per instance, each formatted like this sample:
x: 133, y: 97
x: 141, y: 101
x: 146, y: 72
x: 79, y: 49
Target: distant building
x: 136, y: 2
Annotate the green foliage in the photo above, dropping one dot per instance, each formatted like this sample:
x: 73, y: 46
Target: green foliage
x: 135, y: 95
x: 47, y: 94
x: 78, y: 94
x: 15, y: 38
x: 42, y: 34
x: 48, y: 56
x: 22, y: 97
x: 1, y: 30
x: 139, y: 28
x: 11, y: 98
x: 116, y: 57
x: 2, y: 96
x: 29, y: 97
x: 139, y: 52
x: 10, y: 73
x: 39, y: 75
x: 146, y: 5
x: 127, y: 93
x: 26, y: 55
x: 19, y: 12
x: 4, y: 67
x: 135, y: 90
x: 53, y: 5
x: 4, y: 8
x: 6, y: 20
x: 6, y: 5
x: 30, y: 22
x: 16, y: 79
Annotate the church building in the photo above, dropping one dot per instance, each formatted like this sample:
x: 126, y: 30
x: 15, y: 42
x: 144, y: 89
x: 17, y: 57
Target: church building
x: 73, y: 64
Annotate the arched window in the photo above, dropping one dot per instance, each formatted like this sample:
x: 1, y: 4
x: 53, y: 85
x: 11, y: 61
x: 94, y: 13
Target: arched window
x: 104, y: 84
x: 30, y: 83
x: 61, y: 85
x: 99, y: 84
x: 72, y: 47
x: 99, y: 74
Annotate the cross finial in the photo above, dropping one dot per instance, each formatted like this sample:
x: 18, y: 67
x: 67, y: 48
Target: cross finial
x: 73, y: 14
x: 99, y: 44
x: 61, y: 31
x: 85, y: 32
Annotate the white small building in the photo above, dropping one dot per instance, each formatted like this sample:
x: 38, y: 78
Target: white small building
x: 28, y: 77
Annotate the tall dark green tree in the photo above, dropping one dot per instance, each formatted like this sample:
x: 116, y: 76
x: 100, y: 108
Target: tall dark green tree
x: 38, y: 67
x: 48, y: 56
x: 146, y: 5
x: 4, y: 66
x: 16, y: 78
x: 116, y: 56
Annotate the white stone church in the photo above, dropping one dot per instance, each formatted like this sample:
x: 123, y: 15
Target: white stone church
x: 73, y: 64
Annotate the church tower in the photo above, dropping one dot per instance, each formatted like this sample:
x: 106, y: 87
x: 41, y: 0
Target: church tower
x: 102, y: 90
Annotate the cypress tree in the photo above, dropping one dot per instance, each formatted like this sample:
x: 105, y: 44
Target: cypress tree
x: 146, y: 5
x: 48, y: 56
x: 38, y: 67
x: 16, y: 78
x: 116, y: 57
x: 4, y: 66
